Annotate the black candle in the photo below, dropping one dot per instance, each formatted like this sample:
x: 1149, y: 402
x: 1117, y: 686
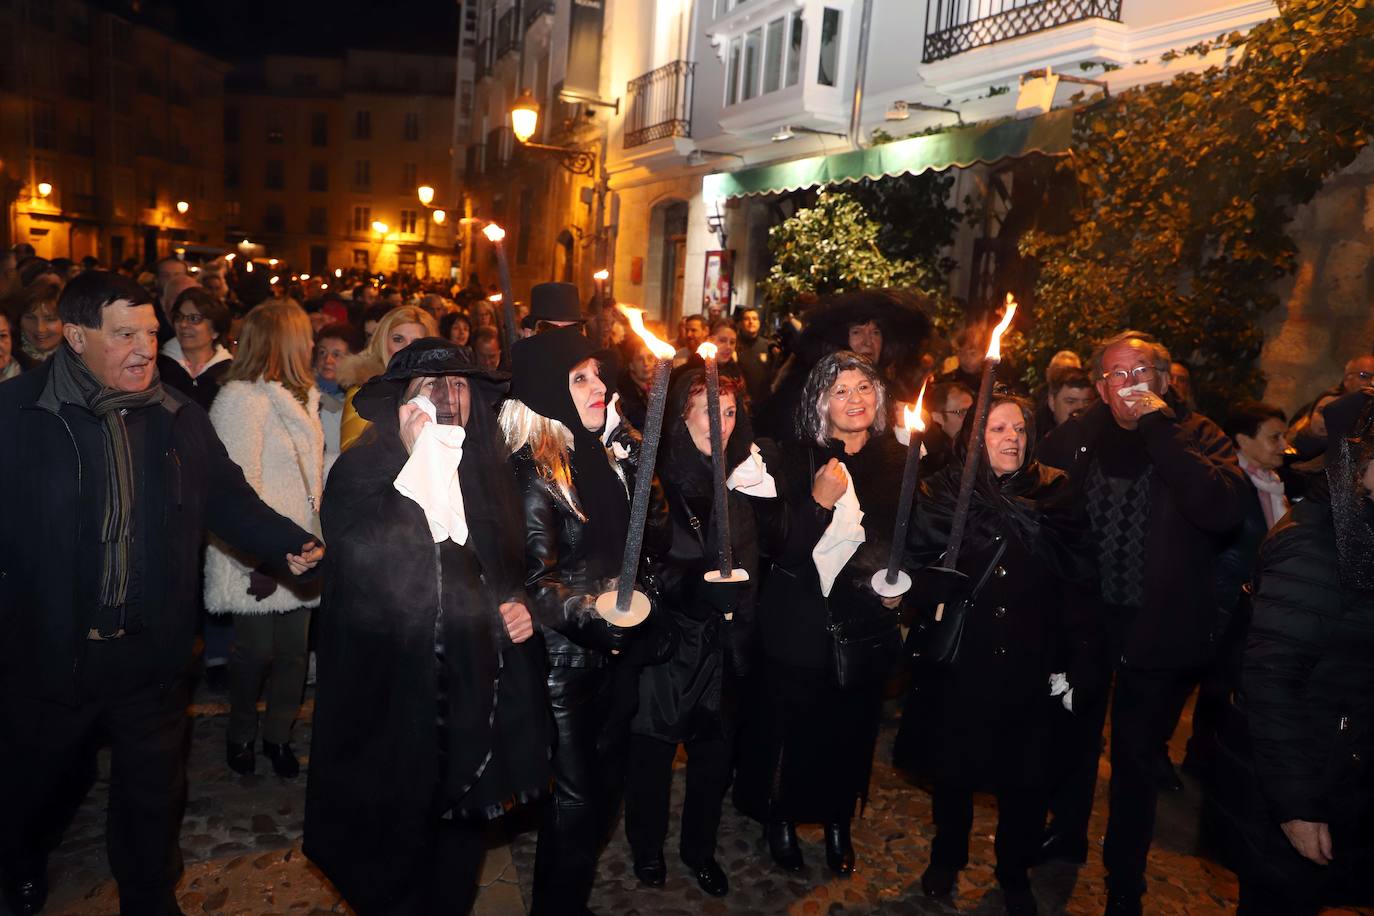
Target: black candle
x: 726, y: 564
x: 915, y: 426
x: 497, y: 236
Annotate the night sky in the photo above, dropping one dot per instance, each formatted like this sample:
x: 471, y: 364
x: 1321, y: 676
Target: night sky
x: 235, y: 29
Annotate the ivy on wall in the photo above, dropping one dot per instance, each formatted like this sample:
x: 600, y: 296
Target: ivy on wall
x: 1185, y: 189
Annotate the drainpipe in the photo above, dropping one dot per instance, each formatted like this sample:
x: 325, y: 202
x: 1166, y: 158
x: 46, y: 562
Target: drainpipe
x: 860, y: 74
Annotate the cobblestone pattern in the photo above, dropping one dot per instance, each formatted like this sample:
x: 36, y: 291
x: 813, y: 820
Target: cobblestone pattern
x: 241, y: 839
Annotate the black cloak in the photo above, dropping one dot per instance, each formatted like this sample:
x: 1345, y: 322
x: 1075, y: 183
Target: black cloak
x: 424, y: 708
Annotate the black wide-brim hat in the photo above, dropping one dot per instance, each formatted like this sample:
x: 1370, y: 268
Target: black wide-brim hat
x: 428, y: 356
x: 900, y: 313
x: 540, y: 367
x: 553, y: 302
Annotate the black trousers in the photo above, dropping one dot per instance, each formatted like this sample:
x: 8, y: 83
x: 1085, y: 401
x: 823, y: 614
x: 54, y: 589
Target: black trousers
x: 1020, y: 817
x: 448, y: 882
x: 648, y: 787
x: 573, y: 822
x: 1077, y: 746
x: 46, y: 751
x: 1143, y: 705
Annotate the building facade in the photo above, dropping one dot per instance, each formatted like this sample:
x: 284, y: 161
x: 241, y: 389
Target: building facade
x: 109, y: 135
x: 324, y: 157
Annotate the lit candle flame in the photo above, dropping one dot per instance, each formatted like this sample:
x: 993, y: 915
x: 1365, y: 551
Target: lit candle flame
x: 707, y: 350
x: 494, y: 233
x: 912, y: 418
x: 603, y: 275
x: 660, y: 349
x: 995, y: 344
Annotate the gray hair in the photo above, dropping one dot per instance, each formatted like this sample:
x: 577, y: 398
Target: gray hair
x: 813, y: 412
x: 1159, y: 354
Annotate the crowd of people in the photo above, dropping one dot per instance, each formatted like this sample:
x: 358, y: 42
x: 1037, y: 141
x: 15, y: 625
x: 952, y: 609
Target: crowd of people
x: 378, y: 487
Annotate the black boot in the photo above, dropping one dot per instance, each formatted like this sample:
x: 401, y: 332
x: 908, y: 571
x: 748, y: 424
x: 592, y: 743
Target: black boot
x: 839, y: 851
x: 240, y: 757
x: 939, y: 880
x: 782, y: 843
x: 284, y: 761
x: 26, y: 889
x: 651, y: 870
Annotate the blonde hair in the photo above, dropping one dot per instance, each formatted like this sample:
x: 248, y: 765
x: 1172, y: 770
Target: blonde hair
x: 275, y: 345
x: 403, y: 314
x: 548, y: 441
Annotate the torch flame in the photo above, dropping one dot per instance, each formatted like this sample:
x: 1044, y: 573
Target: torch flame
x: 602, y: 275
x: 659, y: 348
x: 911, y: 416
x: 494, y: 233
x: 495, y: 297
x: 707, y: 350
x: 995, y: 344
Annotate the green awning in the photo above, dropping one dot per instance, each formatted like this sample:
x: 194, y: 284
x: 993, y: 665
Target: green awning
x: 980, y: 143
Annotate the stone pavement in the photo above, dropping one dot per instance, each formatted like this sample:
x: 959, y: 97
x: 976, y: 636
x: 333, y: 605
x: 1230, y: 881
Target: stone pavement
x: 241, y: 839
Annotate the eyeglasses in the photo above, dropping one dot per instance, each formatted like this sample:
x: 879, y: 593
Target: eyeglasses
x: 1364, y: 376
x: 955, y: 412
x: 1122, y: 377
x: 861, y: 390
x: 184, y: 318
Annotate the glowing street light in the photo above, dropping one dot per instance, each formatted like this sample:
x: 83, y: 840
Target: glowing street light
x: 182, y: 207
x: 44, y: 188
x: 338, y: 271
x: 439, y: 216
x: 524, y: 117
x: 426, y: 194
x: 380, y: 227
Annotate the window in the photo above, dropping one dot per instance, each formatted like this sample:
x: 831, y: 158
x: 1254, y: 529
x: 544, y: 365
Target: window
x: 319, y: 176
x: 827, y: 70
x: 409, y: 177
x: 753, y: 49
x: 232, y: 211
x: 231, y: 125
x: 45, y: 125
x: 231, y: 174
x: 412, y: 126
x: 408, y: 222
x: 732, y: 76
x: 362, y: 124
x: 275, y: 134
x: 772, y: 56
x: 794, y: 50
x: 318, y: 221
x: 465, y: 98
x: 362, y: 174
x: 274, y: 175
x: 362, y: 219
x: 274, y: 218
x: 319, y: 129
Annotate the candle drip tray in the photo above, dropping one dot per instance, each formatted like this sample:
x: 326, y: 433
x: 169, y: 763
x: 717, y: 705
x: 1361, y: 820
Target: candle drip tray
x: 736, y: 575
x: 636, y: 614
x: 895, y: 589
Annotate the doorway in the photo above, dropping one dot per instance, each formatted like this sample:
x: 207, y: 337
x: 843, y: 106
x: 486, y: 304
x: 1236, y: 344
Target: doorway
x: 667, y: 260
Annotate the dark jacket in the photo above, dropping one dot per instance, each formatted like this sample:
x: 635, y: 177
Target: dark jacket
x: 1307, y: 682
x: 1197, y: 498
x: 55, y: 461
x: 410, y: 635
x: 201, y: 388
x: 556, y: 560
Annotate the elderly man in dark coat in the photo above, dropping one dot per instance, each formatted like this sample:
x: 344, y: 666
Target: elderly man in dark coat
x: 113, y: 481
x: 1162, y: 491
x: 430, y: 715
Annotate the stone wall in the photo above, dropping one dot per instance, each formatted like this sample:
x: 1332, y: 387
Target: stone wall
x: 1326, y: 315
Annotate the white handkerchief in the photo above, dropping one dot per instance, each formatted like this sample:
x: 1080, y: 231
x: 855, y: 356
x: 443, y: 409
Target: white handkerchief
x: 612, y: 419
x: 1060, y: 687
x: 752, y: 477
x: 1132, y: 389
x: 430, y: 477
x: 903, y: 436
x: 841, y: 539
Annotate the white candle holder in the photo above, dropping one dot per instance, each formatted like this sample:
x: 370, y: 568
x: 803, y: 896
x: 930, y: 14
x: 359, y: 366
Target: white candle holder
x: 895, y: 589
x: 637, y: 613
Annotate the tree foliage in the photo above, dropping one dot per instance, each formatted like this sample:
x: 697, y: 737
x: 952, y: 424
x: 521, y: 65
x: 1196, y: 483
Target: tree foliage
x: 1185, y: 189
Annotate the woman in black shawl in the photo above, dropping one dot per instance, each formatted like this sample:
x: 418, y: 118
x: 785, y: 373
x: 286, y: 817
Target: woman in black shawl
x: 690, y: 698
x: 430, y: 715
x: 574, y: 477
x: 989, y: 709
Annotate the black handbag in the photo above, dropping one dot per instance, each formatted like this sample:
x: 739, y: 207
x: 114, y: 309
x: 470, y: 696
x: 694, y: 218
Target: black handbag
x: 934, y: 641
x: 865, y: 648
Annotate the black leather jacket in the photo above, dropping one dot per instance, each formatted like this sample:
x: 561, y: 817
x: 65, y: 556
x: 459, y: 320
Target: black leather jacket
x: 556, y: 575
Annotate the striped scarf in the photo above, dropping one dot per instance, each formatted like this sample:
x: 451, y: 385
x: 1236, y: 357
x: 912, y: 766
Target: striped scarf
x: 72, y: 382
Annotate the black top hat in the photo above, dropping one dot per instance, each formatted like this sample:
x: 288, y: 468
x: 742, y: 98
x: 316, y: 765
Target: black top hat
x: 553, y: 302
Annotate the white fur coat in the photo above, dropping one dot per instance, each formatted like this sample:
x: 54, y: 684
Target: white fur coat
x: 264, y: 428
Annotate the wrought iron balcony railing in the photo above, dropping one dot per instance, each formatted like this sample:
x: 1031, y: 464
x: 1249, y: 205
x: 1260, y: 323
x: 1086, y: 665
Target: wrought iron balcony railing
x: 956, y: 26
x: 660, y: 104
x: 508, y: 32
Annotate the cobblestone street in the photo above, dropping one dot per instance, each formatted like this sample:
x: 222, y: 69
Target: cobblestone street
x: 241, y: 839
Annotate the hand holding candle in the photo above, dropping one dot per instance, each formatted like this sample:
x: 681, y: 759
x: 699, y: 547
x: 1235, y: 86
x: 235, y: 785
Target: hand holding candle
x: 625, y: 606
x: 893, y: 582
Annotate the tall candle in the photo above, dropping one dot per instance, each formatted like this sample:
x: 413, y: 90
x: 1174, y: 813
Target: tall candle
x: 707, y: 351
x: 915, y: 427
x: 599, y: 280
x: 648, y: 452
x: 975, y: 439
x: 497, y: 236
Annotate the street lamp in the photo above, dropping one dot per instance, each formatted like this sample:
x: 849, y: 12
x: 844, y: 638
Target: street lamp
x: 182, y: 207
x: 380, y: 227
x: 524, y: 117
x: 524, y: 120
x: 426, y: 194
x: 44, y: 189
x: 439, y: 216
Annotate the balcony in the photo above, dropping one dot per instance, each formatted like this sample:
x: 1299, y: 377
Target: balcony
x: 536, y: 9
x: 508, y: 32
x: 660, y: 104
x: 956, y: 26
x: 500, y: 145
x: 484, y: 58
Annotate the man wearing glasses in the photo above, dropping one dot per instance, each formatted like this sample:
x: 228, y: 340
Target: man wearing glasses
x: 1161, y: 489
x: 1359, y: 373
